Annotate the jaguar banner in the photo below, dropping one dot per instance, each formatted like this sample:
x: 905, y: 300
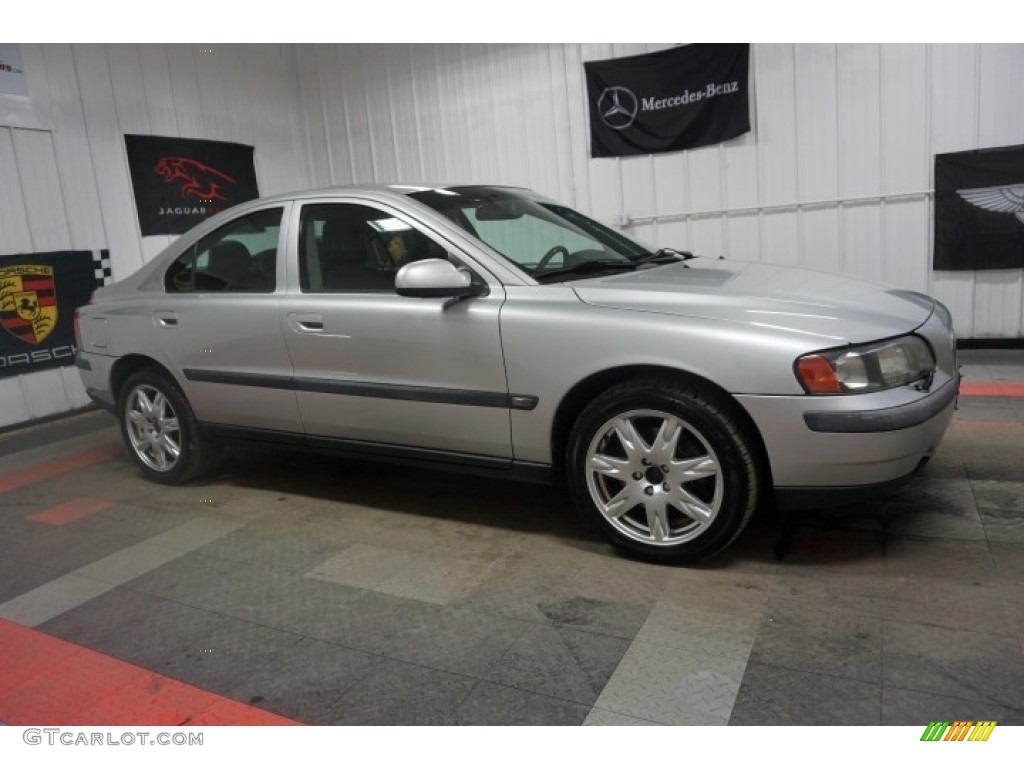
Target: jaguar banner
x: 670, y: 100
x: 39, y: 293
x: 979, y: 209
x: 180, y: 182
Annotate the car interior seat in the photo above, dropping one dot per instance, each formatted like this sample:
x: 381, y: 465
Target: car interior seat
x: 229, y: 261
x: 345, y: 252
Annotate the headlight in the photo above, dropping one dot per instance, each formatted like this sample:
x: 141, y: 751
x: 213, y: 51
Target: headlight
x: 866, y: 368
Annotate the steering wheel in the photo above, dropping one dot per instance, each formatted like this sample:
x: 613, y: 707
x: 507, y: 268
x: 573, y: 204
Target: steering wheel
x: 550, y: 255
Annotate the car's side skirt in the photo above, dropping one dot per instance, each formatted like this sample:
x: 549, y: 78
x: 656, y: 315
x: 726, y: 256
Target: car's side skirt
x: 429, y: 458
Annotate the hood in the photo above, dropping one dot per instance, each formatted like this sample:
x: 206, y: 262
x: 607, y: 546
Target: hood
x: 835, y: 308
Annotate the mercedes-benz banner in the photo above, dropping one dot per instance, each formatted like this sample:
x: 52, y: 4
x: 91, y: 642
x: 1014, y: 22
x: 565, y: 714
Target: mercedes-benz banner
x: 669, y: 100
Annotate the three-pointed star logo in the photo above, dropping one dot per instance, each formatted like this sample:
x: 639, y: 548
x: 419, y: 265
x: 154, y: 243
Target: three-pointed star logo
x: 1008, y: 199
x: 617, y: 107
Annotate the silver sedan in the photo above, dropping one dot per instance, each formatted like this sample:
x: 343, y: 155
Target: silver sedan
x: 489, y: 329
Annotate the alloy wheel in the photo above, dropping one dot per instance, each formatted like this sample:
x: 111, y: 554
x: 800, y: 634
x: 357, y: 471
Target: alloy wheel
x: 153, y: 428
x: 654, y: 477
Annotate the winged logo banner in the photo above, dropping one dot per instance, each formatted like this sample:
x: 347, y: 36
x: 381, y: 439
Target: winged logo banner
x: 979, y: 209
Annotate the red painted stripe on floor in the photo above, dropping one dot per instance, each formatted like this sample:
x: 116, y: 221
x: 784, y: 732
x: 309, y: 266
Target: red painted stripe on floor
x: 48, y: 681
x: 69, y: 511
x: 56, y: 467
x: 993, y: 389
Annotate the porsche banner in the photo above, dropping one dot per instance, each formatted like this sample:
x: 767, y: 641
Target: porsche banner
x: 39, y: 293
x: 669, y: 100
x: 979, y: 209
x: 179, y: 183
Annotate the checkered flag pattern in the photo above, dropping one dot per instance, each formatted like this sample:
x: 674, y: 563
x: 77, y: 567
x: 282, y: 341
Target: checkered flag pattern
x: 101, y: 267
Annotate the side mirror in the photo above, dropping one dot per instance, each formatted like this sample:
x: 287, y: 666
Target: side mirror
x: 434, y: 278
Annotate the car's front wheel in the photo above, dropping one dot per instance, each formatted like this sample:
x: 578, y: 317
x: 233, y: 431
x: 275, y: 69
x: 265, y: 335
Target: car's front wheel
x: 665, y: 470
x: 160, y: 429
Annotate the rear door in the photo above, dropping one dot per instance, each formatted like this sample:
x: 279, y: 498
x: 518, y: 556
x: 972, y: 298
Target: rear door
x: 380, y: 371
x: 219, y: 323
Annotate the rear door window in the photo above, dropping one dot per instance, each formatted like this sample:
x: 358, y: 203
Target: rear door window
x: 240, y: 257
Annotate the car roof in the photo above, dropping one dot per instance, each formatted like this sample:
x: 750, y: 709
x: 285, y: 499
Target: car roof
x: 396, y: 188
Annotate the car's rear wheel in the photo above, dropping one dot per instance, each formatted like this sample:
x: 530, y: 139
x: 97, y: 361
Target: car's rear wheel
x: 160, y: 429
x: 666, y: 471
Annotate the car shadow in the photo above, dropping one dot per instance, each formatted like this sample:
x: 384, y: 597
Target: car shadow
x: 848, y: 535
x: 431, y: 494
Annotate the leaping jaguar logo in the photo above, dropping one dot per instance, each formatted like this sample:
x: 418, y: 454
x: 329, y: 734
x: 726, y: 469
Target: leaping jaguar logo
x: 200, y: 180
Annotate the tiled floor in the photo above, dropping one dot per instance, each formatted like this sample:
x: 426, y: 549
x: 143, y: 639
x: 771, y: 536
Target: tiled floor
x: 336, y: 592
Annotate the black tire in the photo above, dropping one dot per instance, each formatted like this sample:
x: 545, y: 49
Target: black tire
x: 148, y: 434
x: 685, y: 514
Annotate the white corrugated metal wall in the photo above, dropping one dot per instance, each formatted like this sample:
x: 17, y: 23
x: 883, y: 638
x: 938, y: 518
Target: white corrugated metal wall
x: 836, y: 174
x: 64, y: 180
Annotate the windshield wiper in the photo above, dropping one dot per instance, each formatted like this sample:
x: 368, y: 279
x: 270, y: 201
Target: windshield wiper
x: 586, y: 267
x: 664, y: 256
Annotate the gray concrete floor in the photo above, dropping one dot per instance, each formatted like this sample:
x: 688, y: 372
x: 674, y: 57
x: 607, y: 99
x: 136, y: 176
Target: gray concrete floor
x: 338, y: 592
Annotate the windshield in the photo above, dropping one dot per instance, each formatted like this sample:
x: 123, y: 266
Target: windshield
x: 546, y: 240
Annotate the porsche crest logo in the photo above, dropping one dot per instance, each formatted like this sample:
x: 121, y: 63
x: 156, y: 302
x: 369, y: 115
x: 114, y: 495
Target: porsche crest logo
x: 28, y: 301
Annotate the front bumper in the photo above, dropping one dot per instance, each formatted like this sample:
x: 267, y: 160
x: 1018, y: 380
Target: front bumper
x: 810, y: 497
x: 854, y: 441
x: 885, y: 419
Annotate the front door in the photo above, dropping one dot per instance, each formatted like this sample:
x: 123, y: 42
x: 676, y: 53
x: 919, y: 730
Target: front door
x: 381, y: 371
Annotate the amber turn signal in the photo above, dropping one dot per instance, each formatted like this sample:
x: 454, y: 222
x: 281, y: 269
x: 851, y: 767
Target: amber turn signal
x: 818, y: 375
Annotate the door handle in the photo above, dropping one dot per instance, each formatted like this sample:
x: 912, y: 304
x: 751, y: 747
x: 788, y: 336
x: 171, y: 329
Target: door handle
x: 306, y: 322
x: 165, y: 319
